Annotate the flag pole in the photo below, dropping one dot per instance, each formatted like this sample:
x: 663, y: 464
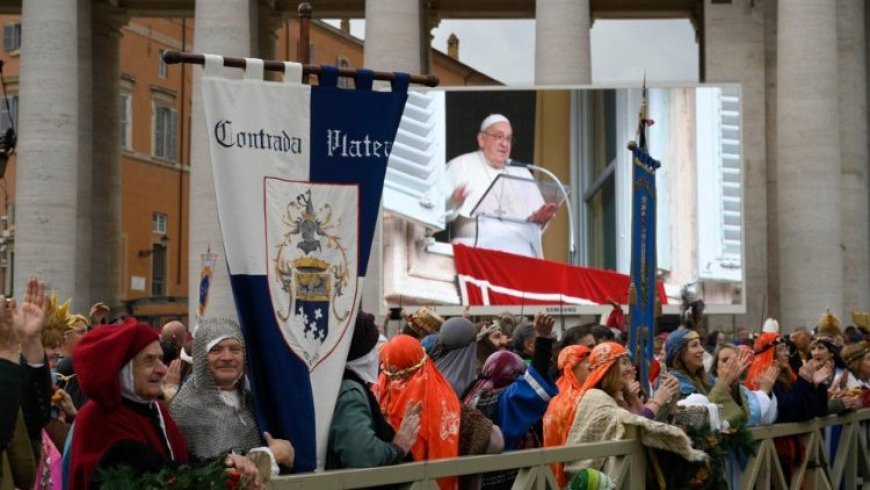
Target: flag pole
x: 175, y: 57
x: 643, y: 291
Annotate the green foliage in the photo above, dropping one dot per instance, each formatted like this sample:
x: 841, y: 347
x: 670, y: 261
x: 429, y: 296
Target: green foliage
x: 182, y: 477
x: 706, y: 475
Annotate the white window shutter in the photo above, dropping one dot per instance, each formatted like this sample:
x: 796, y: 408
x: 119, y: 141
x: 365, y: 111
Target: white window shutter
x: 159, y: 132
x: 720, y: 193
x: 414, y: 184
x: 173, y: 136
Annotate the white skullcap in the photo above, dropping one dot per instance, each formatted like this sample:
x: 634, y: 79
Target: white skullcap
x: 492, y: 119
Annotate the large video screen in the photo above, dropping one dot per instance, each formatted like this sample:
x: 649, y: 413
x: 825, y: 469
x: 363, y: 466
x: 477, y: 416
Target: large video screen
x: 493, y: 194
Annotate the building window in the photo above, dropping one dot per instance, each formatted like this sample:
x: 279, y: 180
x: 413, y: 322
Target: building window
x: 158, y: 223
x: 8, y: 113
x: 344, y: 82
x: 125, y: 110
x: 161, y: 65
x: 12, y: 36
x: 158, y: 270
x: 165, y: 132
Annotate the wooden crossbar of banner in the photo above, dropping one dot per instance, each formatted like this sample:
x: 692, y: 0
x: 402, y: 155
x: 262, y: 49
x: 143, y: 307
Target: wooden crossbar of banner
x: 174, y: 57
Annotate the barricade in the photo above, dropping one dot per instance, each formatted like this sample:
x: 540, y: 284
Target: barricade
x: 852, y: 466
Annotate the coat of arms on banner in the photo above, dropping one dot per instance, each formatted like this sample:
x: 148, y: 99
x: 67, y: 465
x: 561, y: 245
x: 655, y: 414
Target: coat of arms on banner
x: 311, y: 231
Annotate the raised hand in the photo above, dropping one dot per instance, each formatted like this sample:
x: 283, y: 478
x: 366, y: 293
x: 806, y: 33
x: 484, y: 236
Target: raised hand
x: 807, y: 371
x: 730, y: 373
x: 30, y: 317
x: 409, y: 428
x: 98, y: 313
x: 743, y: 361
x: 29, y: 320
x: 543, y: 324
x: 668, y: 389
x: 634, y: 388
x: 822, y: 374
x: 768, y: 379
x: 173, y: 373
x: 62, y: 400
x: 543, y: 214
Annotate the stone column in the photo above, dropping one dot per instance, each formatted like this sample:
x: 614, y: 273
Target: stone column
x: 84, y: 249
x: 268, y: 23
x: 770, y: 58
x: 562, y: 53
x: 393, y: 43
x: 393, y: 35
x: 46, y: 179
x: 223, y: 27
x: 105, y: 176
x: 735, y: 53
x: 853, y: 147
x: 808, y: 162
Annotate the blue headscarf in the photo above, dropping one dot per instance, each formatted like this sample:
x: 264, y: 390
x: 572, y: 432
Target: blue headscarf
x: 429, y: 343
x: 675, y: 342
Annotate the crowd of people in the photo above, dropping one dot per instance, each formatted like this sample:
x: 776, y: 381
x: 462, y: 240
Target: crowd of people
x: 87, y: 401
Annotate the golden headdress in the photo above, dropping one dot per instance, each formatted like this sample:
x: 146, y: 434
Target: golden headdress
x: 425, y: 321
x: 830, y: 326
x: 58, y: 315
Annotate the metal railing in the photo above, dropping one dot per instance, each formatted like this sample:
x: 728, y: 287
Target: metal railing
x: 851, y: 467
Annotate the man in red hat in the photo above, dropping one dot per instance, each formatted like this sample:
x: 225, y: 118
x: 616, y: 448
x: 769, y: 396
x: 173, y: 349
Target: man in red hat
x: 120, y: 369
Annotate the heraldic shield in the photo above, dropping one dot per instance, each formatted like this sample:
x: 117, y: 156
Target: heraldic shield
x: 311, y: 233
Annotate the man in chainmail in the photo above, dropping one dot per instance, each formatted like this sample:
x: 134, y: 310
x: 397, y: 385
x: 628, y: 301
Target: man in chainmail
x: 214, y: 409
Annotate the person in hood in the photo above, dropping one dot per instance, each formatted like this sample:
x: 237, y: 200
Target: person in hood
x: 360, y: 436
x: 214, y: 409
x: 120, y: 369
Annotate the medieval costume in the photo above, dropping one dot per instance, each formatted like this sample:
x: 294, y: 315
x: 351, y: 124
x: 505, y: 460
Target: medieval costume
x: 200, y: 407
x: 515, y: 398
x: 116, y: 426
x: 408, y: 375
x: 798, y: 400
x: 560, y: 413
x: 699, y: 381
x: 360, y: 436
x: 455, y: 353
x: 600, y: 417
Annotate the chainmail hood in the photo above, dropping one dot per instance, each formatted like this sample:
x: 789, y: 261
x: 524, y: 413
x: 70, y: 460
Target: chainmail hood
x: 211, y: 426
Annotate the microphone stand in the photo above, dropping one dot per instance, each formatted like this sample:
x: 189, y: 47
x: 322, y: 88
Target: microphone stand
x: 572, y: 248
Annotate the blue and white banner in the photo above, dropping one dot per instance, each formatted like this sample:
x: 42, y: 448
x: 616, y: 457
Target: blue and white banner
x: 298, y: 173
x: 642, y: 310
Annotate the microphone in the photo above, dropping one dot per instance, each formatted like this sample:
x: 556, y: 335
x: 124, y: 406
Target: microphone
x: 516, y: 163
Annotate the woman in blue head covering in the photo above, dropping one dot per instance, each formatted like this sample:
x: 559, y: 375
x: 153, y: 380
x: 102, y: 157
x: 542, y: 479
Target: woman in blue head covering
x: 684, y: 358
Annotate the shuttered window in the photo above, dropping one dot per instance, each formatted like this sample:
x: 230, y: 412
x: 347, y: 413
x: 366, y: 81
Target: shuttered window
x: 414, y: 187
x: 720, y: 188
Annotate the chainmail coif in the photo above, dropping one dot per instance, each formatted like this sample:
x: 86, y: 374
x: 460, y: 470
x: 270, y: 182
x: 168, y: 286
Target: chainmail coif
x: 212, y: 427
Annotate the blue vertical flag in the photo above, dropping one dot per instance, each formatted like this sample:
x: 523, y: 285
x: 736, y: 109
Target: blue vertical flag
x: 642, y: 307
x: 298, y: 175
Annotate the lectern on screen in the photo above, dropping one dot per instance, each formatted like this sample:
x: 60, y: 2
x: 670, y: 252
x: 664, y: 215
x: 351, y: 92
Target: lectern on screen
x: 579, y: 135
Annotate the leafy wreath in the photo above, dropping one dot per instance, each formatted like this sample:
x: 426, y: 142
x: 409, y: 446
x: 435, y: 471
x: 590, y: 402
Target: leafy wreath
x: 708, y: 474
x: 183, y: 477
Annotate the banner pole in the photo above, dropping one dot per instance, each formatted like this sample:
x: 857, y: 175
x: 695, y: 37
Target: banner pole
x: 175, y: 57
x: 303, y: 52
